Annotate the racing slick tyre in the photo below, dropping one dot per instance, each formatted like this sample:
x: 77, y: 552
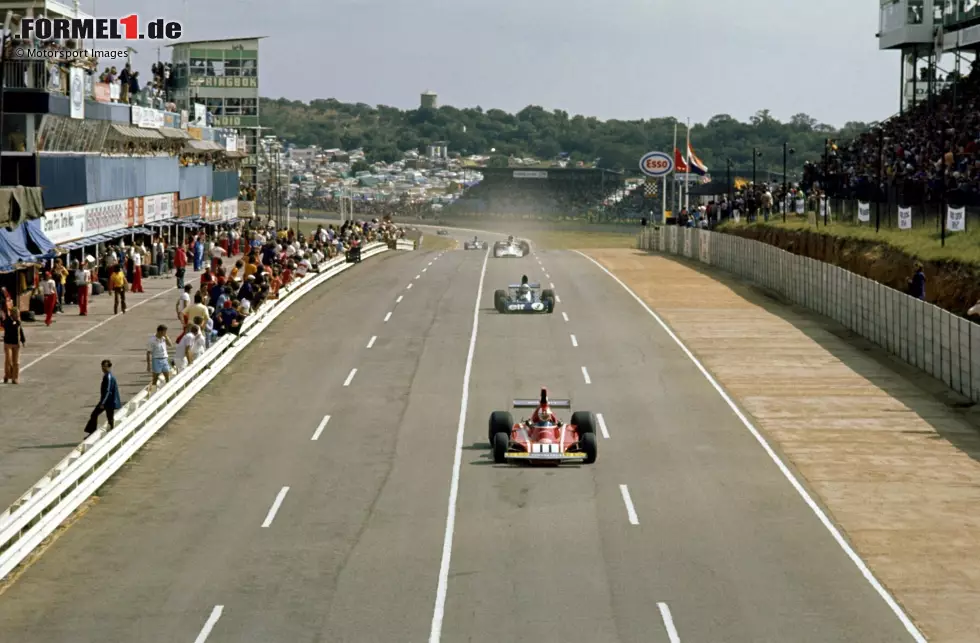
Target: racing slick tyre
x: 589, y: 445
x: 525, y: 249
x: 548, y: 299
x: 500, y: 422
x: 584, y: 422
x: 500, y: 300
x: 501, y: 442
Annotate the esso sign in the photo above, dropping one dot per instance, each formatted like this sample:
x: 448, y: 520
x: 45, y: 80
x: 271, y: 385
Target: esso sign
x: 656, y: 164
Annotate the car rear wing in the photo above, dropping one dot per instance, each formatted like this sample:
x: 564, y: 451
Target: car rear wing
x: 533, y: 404
x: 531, y: 286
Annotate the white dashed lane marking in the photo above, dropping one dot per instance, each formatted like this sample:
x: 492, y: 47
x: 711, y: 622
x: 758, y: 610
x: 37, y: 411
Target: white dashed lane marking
x: 275, y: 507
x: 585, y: 374
x: 374, y: 338
x: 350, y: 377
x: 630, y: 510
x: 418, y: 276
x: 552, y: 284
x: 323, y: 423
x: 430, y: 263
x: 399, y: 300
x: 564, y: 316
x: 547, y: 276
x: 409, y: 287
x: 424, y: 269
x: 211, y: 622
x: 387, y: 317
x: 602, y: 425
x: 558, y: 299
x: 574, y: 341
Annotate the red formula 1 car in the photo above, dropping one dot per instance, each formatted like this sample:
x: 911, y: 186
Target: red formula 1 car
x: 543, y: 437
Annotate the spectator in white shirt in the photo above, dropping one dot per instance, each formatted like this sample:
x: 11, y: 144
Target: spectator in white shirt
x: 50, y: 292
x: 158, y: 356
x: 183, y: 302
x: 190, y: 346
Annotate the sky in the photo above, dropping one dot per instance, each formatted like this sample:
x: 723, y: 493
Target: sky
x: 623, y: 59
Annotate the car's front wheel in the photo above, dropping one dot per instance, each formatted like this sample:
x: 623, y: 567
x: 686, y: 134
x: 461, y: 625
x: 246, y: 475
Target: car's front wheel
x: 501, y: 442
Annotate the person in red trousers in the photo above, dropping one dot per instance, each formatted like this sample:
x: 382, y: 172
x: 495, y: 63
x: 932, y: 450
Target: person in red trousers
x: 137, y: 260
x: 50, y: 291
x: 82, y: 277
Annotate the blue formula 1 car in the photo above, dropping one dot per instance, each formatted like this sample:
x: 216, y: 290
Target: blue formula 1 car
x: 523, y: 298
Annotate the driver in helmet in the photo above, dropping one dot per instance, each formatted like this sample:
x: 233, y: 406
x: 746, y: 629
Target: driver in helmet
x: 510, y: 239
x: 543, y: 415
x: 475, y: 240
x: 524, y: 292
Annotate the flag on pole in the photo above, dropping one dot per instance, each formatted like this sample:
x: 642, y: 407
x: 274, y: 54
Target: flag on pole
x: 696, y: 164
x: 680, y: 167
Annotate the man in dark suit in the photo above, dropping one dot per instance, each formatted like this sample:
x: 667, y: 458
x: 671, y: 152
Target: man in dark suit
x: 109, y: 401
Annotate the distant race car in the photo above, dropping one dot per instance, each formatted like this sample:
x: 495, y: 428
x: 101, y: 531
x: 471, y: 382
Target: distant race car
x: 539, y: 442
x: 476, y: 244
x: 443, y: 233
x: 511, y: 248
x: 523, y: 298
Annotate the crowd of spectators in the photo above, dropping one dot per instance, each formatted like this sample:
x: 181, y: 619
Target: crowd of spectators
x: 241, y: 270
x: 929, y: 150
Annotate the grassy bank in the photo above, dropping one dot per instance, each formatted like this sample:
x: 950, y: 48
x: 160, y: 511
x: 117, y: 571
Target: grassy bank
x: 919, y: 243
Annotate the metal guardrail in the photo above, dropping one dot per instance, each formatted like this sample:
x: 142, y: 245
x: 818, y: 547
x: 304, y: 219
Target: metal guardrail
x: 934, y: 340
x: 50, y: 501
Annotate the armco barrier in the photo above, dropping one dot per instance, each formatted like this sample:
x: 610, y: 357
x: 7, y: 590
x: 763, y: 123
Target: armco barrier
x: 36, y: 514
x: 932, y: 339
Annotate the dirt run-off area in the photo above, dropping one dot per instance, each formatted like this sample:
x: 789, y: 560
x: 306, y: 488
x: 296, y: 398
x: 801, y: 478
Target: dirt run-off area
x: 950, y: 284
x: 882, y: 446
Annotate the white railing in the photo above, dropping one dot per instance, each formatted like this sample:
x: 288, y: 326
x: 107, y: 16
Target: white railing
x: 932, y: 339
x: 38, y: 512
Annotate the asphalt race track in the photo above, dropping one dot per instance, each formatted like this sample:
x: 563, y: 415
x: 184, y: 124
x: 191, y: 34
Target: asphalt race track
x: 255, y: 517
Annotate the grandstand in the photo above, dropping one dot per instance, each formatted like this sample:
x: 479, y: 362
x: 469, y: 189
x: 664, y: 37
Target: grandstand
x: 551, y: 191
x: 927, y: 154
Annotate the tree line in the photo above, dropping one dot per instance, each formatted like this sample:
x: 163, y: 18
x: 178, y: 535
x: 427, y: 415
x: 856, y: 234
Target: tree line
x: 386, y: 132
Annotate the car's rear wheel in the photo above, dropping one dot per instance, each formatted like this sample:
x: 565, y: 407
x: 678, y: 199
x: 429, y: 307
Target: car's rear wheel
x: 500, y: 422
x: 584, y: 422
x: 500, y: 301
x: 590, y: 446
x: 501, y: 442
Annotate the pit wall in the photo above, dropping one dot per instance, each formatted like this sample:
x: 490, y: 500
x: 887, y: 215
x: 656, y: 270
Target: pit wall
x: 941, y: 344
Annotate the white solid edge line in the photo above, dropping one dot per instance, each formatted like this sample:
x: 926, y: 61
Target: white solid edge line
x: 374, y: 338
x: 574, y: 341
x: 669, y: 623
x: 564, y: 316
x: 350, y: 377
x: 855, y: 558
x: 602, y: 425
x: 387, y: 317
x: 409, y: 287
x: 209, y: 625
x: 275, y: 507
x: 630, y: 510
x: 447, y: 544
x: 399, y: 300
x: 320, y: 427
x: 89, y: 330
x: 585, y: 374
